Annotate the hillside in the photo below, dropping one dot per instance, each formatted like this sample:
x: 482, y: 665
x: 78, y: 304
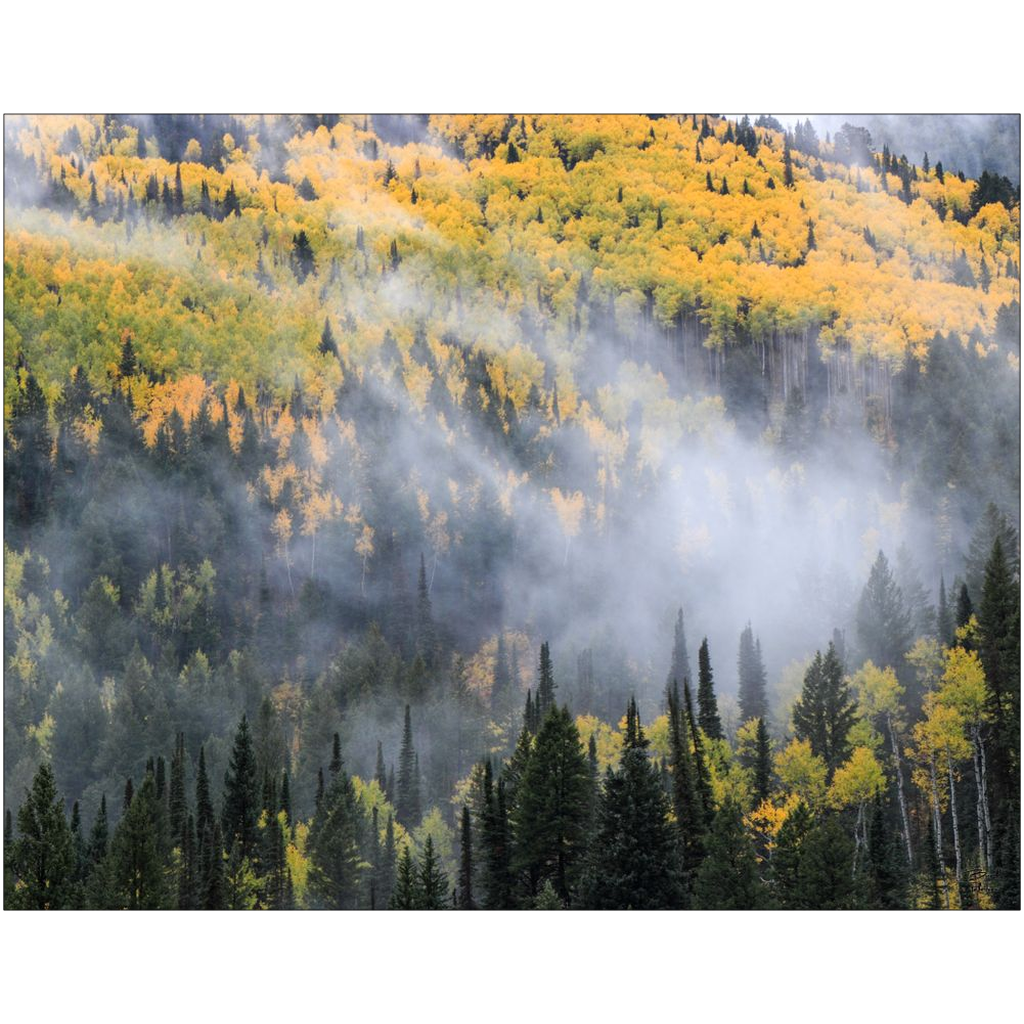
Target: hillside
x: 378, y: 430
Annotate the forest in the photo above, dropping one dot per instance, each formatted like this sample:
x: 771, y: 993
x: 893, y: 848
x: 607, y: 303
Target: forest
x: 509, y: 512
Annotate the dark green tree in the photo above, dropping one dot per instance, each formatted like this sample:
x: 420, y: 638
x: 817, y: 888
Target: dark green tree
x: 825, y: 711
x: 752, y: 692
x: 43, y: 855
x: 407, y: 802
x: 728, y: 878
x: 707, y: 702
x: 242, y: 803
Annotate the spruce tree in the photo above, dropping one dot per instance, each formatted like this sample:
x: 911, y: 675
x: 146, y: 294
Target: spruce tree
x: 545, y: 683
x: 406, y: 892
x: 679, y: 669
x: 407, y: 802
x: 43, y: 855
x: 634, y: 860
x: 728, y: 878
x: 433, y: 883
x: 883, y: 622
x: 242, y: 803
x: 465, y: 900
x: 687, y: 805
x: 707, y: 702
x: 551, y: 806
x: 137, y: 874
x: 825, y: 711
x: 762, y: 764
x: 334, y: 848
x: 494, y: 860
x: 752, y: 694
x: 944, y: 617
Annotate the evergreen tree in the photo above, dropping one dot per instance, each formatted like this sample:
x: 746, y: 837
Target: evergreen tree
x: 883, y: 622
x: 707, y: 702
x: 495, y: 865
x: 433, y: 883
x: 551, y: 806
x: 687, y: 805
x: 407, y: 803
x: 752, y: 693
x: 502, y: 685
x: 137, y: 874
x: 465, y: 898
x: 825, y: 711
x: 242, y: 802
x: 333, y: 846
x: 335, y: 763
x: 406, y: 892
x: 426, y: 633
x: 886, y: 863
x: 728, y: 878
x: 826, y: 869
x: 381, y: 772
x: 964, y: 606
x: 177, y: 803
x: 634, y: 861
x: 43, y: 854
x: 679, y: 670
x: 545, y: 683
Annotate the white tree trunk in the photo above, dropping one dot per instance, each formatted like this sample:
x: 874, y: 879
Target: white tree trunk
x: 899, y: 789
x: 956, y: 822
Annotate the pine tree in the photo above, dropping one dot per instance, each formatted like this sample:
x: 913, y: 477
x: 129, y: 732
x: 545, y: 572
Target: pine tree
x: 825, y: 711
x: 406, y: 894
x: 886, y: 863
x: 551, y: 806
x: 707, y: 702
x: 242, y: 803
x: 177, y: 803
x: 407, y: 803
x: 495, y: 872
x: 333, y: 846
x: 545, y: 683
x: 433, y: 883
x: 964, y: 606
x: 426, y: 633
x: 137, y: 875
x: 687, y: 805
x: 465, y: 901
x: 827, y: 879
x: 883, y: 622
x: 728, y: 878
x: 380, y: 772
x: 634, y: 861
x: 701, y: 772
x: 43, y: 854
x: 752, y: 694
x: 679, y: 669
x: 335, y: 763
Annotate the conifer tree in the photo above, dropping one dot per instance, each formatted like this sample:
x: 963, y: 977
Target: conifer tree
x: 465, y: 897
x: 426, y: 632
x: 335, y: 763
x: 634, y: 860
x: 707, y: 702
x: 762, y: 764
x: 545, y: 683
x: 43, y: 852
x: 502, y: 685
x: 687, y: 804
x: 944, y: 616
x: 495, y: 866
x: 728, y: 878
x: 883, y: 622
x: 752, y: 694
x: 334, y: 848
x: 406, y: 892
x: 551, y: 806
x: 137, y: 875
x: 825, y: 711
x: 407, y: 802
x: 433, y: 883
x: 242, y: 803
x: 177, y: 803
x: 679, y: 669
x: 701, y: 771
x: 380, y: 772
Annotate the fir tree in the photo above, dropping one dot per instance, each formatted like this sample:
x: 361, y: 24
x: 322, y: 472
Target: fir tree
x: 825, y: 711
x: 433, y: 883
x: 707, y: 702
x: 883, y: 622
x: 465, y: 898
x: 634, y: 861
x: 333, y: 846
x: 43, y: 854
x: 137, y: 875
x: 752, y: 694
x: 545, y: 683
x: 242, y: 802
x: 728, y: 878
x: 551, y: 806
x: 679, y: 670
x: 407, y: 803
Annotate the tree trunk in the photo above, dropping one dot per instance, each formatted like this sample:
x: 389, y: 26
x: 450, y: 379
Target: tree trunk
x: 899, y: 790
x: 937, y: 823
x: 956, y: 822
x: 983, y: 794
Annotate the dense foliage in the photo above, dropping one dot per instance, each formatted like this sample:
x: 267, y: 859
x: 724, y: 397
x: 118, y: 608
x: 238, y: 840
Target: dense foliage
x: 318, y: 428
